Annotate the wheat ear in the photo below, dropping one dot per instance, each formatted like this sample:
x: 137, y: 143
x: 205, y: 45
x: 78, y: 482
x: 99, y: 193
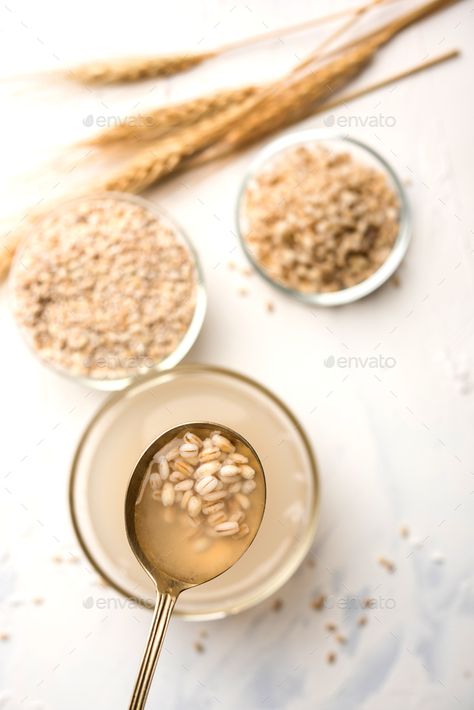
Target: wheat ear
x: 163, y: 121
x: 135, y: 68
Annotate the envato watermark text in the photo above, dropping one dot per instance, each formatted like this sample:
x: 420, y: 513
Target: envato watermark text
x: 113, y: 603
x: 375, y: 120
x: 334, y: 602
x: 101, y: 121
x: 371, y: 362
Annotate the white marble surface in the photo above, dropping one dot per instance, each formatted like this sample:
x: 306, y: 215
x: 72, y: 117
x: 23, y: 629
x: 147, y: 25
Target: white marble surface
x: 394, y: 444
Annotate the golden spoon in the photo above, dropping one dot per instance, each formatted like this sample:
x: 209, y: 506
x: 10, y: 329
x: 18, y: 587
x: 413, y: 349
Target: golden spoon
x: 172, y: 562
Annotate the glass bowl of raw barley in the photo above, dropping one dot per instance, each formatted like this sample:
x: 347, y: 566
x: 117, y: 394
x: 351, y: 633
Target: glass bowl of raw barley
x: 323, y: 217
x: 107, y: 288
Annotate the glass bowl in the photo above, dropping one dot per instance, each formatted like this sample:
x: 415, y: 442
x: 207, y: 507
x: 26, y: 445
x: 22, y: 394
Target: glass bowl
x: 364, y: 153
x: 123, y: 428
x: 189, y: 338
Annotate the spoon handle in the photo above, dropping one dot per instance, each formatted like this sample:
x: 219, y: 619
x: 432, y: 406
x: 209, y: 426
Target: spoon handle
x: 161, y: 616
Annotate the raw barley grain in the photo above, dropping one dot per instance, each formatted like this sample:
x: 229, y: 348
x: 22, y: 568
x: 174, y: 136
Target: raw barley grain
x: 318, y: 220
x: 104, y: 288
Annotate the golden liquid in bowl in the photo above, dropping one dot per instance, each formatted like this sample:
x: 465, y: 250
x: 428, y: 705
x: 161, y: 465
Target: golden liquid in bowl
x: 184, y: 547
x: 124, y: 429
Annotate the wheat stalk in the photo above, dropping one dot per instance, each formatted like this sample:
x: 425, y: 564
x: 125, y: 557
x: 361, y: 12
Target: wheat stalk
x: 115, y: 71
x: 284, y: 102
x: 166, y: 156
x: 284, y: 105
x: 281, y: 104
x: 386, y: 81
x: 288, y: 105
x: 11, y: 239
x: 135, y: 68
x: 222, y: 149
x: 162, y: 121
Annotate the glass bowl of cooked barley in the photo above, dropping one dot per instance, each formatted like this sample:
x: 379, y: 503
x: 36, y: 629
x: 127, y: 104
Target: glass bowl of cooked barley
x: 323, y: 217
x: 106, y: 289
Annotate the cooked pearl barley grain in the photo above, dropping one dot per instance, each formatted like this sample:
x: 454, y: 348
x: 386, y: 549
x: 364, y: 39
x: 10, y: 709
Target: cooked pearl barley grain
x: 317, y: 220
x: 228, y: 471
x: 177, y: 476
x: 237, y: 458
x: 164, y: 468
x: 243, y: 531
x: 185, y: 499
x: 167, y: 494
x: 247, y: 471
x: 242, y: 500
x: 194, y: 506
x: 206, y: 485
x: 191, y: 438
x: 222, y: 443
x: 248, y: 486
x: 227, y: 528
x: 185, y: 485
x: 210, y: 454
x: 155, y: 481
x: 104, y: 288
x: 215, y: 495
x: 213, y: 508
x: 216, y: 518
x: 173, y: 454
x: 207, y: 469
x: 205, y: 479
x: 183, y: 467
x: 188, y: 451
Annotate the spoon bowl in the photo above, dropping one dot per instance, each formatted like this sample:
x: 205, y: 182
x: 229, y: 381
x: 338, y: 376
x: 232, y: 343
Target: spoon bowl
x: 161, y: 555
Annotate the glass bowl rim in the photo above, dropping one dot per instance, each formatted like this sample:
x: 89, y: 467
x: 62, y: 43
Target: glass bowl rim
x: 310, y: 529
x: 195, y: 326
x: 397, y: 252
